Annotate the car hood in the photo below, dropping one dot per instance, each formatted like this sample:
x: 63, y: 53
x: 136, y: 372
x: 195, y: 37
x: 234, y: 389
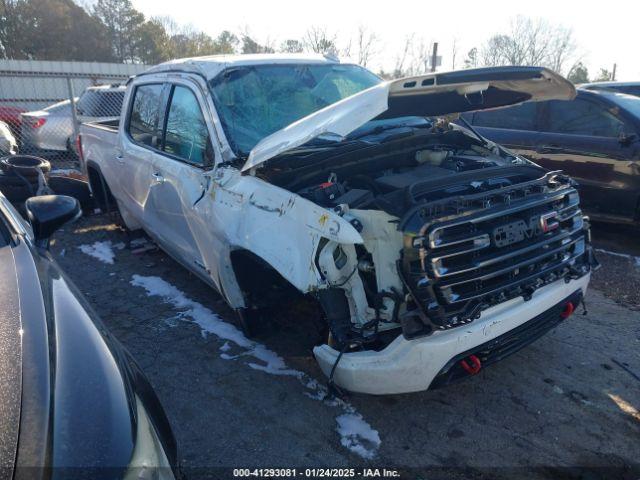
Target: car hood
x: 433, y: 94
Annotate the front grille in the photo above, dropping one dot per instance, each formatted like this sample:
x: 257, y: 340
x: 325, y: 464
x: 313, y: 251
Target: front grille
x: 507, y: 343
x: 512, y: 242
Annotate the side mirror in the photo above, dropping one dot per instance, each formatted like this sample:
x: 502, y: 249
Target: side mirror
x: 47, y: 213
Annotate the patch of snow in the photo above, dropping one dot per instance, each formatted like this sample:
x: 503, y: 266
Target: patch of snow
x: 63, y: 252
x: 634, y: 259
x: 100, y: 250
x: 558, y: 390
x: 119, y: 245
x: 355, y: 433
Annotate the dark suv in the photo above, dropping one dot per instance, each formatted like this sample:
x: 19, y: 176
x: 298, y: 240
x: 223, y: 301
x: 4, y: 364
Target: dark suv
x: 594, y: 139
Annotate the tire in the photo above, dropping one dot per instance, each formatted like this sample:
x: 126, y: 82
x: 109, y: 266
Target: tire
x: 25, y: 165
x: 102, y: 195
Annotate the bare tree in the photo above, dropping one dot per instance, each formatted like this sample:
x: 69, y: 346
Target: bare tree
x: 414, y: 57
x: 472, y: 58
x: 604, y: 75
x: 317, y: 40
x: 401, y: 58
x: 366, y: 43
x: 420, y: 57
x: 291, y: 46
x: 454, y: 53
x: 530, y: 42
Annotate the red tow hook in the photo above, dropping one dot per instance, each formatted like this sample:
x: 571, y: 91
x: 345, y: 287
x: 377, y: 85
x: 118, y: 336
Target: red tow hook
x: 568, y: 310
x: 474, y: 367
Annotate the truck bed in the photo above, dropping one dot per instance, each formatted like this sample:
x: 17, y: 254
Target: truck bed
x: 99, y: 140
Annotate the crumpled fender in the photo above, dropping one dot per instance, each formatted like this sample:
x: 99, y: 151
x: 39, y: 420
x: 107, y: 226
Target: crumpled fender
x: 289, y: 206
x: 278, y: 226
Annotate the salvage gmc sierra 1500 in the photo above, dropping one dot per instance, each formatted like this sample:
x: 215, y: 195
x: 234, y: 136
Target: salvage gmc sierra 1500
x: 430, y: 250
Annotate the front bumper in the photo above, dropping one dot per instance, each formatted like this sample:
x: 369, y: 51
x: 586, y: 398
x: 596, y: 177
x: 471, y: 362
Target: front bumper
x: 412, y: 365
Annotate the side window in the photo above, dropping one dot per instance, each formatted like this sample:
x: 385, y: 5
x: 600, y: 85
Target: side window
x: 186, y: 134
x: 580, y: 117
x: 519, y: 117
x: 146, y: 117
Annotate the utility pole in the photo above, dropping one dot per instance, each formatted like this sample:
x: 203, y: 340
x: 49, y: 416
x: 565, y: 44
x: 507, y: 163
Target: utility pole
x: 613, y: 73
x: 434, y: 56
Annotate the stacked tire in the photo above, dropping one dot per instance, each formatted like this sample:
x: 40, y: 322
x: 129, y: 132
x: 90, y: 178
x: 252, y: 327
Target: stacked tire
x: 19, y: 176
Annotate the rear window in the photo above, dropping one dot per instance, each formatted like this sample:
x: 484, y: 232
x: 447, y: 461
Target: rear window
x: 144, y: 121
x: 101, y: 103
x: 519, y: 117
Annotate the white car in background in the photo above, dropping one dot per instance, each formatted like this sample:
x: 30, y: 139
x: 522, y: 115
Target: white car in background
x: 8, y: 143
x: 49, y: 129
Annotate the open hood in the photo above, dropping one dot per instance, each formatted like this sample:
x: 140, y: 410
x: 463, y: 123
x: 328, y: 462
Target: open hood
x: 433, y: 94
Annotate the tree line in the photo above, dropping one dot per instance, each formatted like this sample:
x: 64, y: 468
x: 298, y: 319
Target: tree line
x: 110, y: 31
x: 114, y: 31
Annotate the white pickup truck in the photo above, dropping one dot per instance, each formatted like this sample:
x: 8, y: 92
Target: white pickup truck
x: 431, y: 251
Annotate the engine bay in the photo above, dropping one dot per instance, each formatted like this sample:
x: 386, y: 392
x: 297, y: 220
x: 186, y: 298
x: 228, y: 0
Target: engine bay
x: 397, y: 174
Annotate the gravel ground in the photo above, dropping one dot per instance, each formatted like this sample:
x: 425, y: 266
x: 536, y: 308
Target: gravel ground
x: 618, y: 249
x: 569, y: 400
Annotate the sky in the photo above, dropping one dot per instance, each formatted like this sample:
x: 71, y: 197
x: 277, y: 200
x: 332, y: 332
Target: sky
x: 604, y: 35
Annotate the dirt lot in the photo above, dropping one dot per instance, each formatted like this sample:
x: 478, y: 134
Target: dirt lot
x: 569, y: 400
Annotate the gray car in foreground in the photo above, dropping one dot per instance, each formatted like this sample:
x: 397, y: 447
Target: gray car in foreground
x: 73, y: 402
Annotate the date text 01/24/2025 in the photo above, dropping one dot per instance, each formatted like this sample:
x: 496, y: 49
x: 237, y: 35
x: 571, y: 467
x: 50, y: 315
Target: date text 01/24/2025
x: 316, y: 473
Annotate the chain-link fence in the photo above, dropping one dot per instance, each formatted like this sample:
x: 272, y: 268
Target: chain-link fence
x: 41, y: 108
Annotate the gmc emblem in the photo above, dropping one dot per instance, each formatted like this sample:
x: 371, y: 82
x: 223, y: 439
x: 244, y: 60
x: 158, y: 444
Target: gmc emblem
x: 520, y: 230
x: 548, y: 222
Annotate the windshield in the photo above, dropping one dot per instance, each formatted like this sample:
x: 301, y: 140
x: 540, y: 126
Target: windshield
x: 254, y: 102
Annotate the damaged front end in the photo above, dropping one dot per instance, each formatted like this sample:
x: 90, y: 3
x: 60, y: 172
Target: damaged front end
x: 440, y: 254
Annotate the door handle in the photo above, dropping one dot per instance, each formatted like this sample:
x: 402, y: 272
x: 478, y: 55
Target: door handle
x: 158, y: 177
